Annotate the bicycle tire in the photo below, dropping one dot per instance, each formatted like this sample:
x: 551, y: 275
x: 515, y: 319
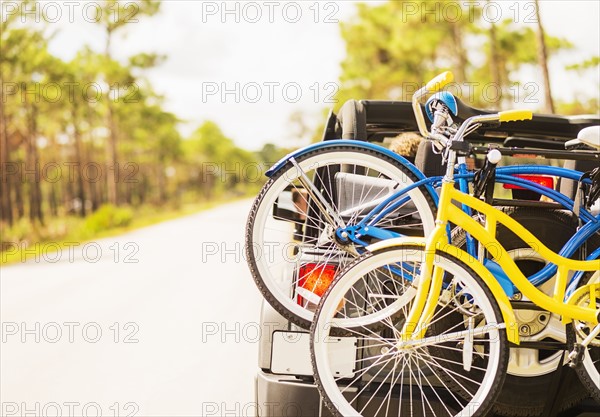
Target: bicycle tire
x: 283, y: 299
x: 589, y: 368
x: 342, y: 401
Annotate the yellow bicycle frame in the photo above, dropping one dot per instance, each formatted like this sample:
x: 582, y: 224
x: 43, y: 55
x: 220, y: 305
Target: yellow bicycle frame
x: 430, y: 281
x: 431, y: 278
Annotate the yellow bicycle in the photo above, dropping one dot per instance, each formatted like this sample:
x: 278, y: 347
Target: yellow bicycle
x: 431, y: 326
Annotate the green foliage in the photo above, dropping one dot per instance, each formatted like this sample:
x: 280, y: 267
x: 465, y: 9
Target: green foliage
x: 116, y: 14
x: 26, y: 240
x: 24, y: 232
x: 218, y: 165
x: 591, y: 63
x: 107, y: 217
x: 145, y: 60
x: 124, y: 130
x: 270, y: 153
x: 589, y: 106
x: 391, y: 50
x: 20, y: 231
x: 209, y: 143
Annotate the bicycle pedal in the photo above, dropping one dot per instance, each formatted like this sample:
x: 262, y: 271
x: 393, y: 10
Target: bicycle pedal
x: 576, y: 356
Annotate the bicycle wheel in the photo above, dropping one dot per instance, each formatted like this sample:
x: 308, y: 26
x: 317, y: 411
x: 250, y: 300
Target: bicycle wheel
x: 292, y: 259
x: 589, y: 368
x: 456, y: 370
x: 531, y: 371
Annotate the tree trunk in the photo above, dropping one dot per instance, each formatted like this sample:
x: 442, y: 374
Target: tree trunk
x: 543, y: 61
x: 461, y: 53
x: 94, y: 187
x: 94, y: 197
x: 161, y: 178
x: 80, y: 166
x: 5, y: 203
x: 113, y: 168
x: 113, y: 165
x: 33, y: 170
x: 494, y: 58
x: 53, y: 201
x: 18, y: 187
x: 68, y: 197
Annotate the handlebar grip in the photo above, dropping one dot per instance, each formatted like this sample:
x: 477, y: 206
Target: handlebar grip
x: 515, y: 115
x: 439, y: 82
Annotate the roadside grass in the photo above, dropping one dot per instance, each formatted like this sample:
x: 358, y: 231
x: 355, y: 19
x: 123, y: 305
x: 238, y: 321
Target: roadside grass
x: 25, y: 241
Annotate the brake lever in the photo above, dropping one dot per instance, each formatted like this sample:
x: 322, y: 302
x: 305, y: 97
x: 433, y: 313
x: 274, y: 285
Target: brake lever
x: 485, y: 178
x: 472, y: 128
x: 593, y: 193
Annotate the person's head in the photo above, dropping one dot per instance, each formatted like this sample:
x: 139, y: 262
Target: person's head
x: 406, y: 144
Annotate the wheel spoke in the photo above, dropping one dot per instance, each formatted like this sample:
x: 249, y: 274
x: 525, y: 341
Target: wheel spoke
x: 328, y: 187
x: 459, y: 364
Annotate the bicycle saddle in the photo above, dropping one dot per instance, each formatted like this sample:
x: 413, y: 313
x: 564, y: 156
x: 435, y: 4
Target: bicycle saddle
x: 590, y: 136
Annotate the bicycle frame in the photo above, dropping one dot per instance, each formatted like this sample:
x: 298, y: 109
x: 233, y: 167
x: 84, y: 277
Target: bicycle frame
x: 430, y: 280
x: 429, y: 283
x: 367, y: 226
x: 505, y: 175
x: 348, y: 235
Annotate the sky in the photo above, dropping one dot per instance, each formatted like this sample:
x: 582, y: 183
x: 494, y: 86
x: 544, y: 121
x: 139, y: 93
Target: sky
x: 249, y: 65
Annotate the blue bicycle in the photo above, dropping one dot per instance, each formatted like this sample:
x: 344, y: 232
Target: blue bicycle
x: 378, y: 289
x: 326, y: 202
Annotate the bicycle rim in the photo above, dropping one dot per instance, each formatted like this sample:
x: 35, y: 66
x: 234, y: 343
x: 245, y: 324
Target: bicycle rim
x: 353, y: 181
x: 458, y: 371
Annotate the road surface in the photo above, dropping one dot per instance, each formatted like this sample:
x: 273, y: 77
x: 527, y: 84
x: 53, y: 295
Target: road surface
x: 161, y: 321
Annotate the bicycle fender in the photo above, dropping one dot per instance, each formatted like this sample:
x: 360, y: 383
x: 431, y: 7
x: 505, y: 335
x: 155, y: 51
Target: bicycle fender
x: 508, y: 314
x: 500, y: 276
x: 345, y: 142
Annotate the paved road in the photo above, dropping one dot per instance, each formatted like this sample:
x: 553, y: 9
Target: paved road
x: 188, y: 306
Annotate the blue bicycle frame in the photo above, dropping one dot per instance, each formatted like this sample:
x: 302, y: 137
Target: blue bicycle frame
x: 506, y: 175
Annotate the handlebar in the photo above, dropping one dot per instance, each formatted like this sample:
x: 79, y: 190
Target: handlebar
x: 515, y: 115
x: 433, y: 86
x: 437, y: 84
x: 505, y: 116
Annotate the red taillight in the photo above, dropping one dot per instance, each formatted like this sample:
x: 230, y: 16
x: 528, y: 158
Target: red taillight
x: 314, y: 281
x: 539, y: 179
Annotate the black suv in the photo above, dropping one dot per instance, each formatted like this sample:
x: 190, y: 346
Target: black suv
x: 284, y: 382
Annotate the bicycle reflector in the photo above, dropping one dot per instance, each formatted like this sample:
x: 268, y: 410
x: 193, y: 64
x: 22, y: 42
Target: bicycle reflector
x: 538, y: 179
x: 314, y: 281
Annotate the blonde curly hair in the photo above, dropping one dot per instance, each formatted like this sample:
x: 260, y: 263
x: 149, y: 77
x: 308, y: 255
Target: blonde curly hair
x: 406, y: 144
